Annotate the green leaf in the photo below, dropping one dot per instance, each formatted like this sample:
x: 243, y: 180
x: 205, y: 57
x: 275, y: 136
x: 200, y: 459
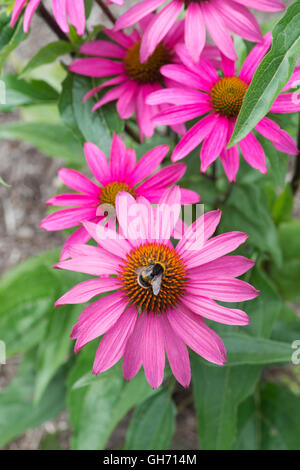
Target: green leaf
x: 55, y: 347
x: 10, y: 38
x: 247, y: 210
x: 27, y: 295
x: 244, y: 349
x: 17, y: 412
x: 272, y: 74
x: 217, y: 392
x: 54, y: 140
x: 283, y: 207
x: 153, y: 423
x: 264, y: 309
x: 287, y: 277
x: 97, y: 407
x: 48, y: 54
x: 287, y: 326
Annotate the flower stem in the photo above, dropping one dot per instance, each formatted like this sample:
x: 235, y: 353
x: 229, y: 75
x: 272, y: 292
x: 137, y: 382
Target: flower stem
x: 106, y: 11
x: 52, y: 24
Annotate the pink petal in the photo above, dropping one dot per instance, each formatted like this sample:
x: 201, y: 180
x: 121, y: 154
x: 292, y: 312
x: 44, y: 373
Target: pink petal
x: 158, y: 28
x: 195, y: 34
x: 59, y: 8
x: 153, y: 354
x: 181, y: 74
x: 280, y: 138
x: 86, y: 290
x: 255, y: 57
x: 239, y: 20
x: 193, y: 137
x: 193, y: 331
x: 287, y: 103
x: 178, y: 96
x: 80, y: 235
x: 177, y: 353
x: 112, y: 345
x: 217, y: 30
x: 136, y: 13
x: 179, y: 114
x: 67, y: 218
x: 264, y: 5
x: 223, y: 289
x: 217, y: 247
x: 253, y: 152
x: 94, y: 266
x: 97, y: 319
x: 117, y: 158
x: 76, y: 14
x: 108, y: 239
x: 230, y: 266
x: 77, y: 181
x: 148, y: 163
x: 97, y: 162
x: 96, y: 67
x: 126, y: 102
x: 209, y: 309
x: 18, y: 6
x: 102, y: 48
x: 163, y: 178
x: 214, y: 143
x: 29, y: 12
x: 132, y: 360
x: 72, y: 200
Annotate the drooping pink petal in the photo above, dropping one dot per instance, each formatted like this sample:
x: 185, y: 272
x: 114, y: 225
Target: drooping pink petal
x: 29, y: 12
x: 239, y: 20
x: 126, y: 102
x: 158, y: 28
x: 114, y: 81
x: 194, y: 32
x: 76, y: 14
x: 77, y: 181
x: 136, y: 13
x: 95, y: 266
x: 230, y: 159
x: 214, y: 143
x: 111, y: 95
x: 193, y: 331
x: 18, y: 7
x: 253, y: 152
x: 193, y: 137
x: 280, y: 138
x: 153, y: 354
x: 132, y: 360
x: 177, y: 353
x: 86, y: 290
x: 181, y: 74
x: 207, y: 308
x: 59, y: 8
x: 97, y: 319
x: 80, y: 235
x: 112, y: 345
x: 217, y: 29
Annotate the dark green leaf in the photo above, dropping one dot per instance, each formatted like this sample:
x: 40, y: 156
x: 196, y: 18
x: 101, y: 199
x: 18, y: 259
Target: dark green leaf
x: 153, y: 423
x: 48, y: 54
x: 272, y: 74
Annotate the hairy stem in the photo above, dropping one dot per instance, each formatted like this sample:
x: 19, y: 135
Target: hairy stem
x: 52, y: 23
x: 106, y: 11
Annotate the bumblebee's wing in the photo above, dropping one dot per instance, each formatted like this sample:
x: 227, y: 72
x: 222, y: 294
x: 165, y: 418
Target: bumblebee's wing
x: 156, y: 284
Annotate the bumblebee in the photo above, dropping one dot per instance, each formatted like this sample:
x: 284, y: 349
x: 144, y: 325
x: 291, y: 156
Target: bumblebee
x: 151, y: 276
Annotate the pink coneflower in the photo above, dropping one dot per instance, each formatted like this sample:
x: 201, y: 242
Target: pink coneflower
x: 122, y: 173
x: 160, y: 295
x: 132, y: 81
x: 62, y: 10
x: 222, y: 98
x: 217, y: 16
